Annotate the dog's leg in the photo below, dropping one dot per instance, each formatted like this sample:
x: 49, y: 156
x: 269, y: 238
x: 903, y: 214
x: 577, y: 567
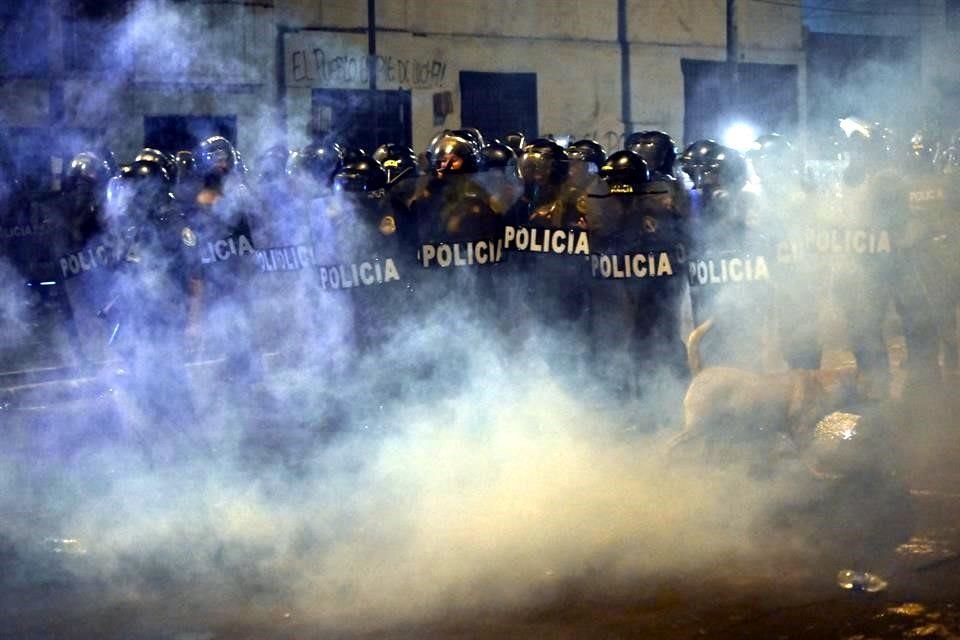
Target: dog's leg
x: 692, y: 430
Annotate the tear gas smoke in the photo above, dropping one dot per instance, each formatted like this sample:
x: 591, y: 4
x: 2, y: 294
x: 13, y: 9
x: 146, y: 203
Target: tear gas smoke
x: 495, y: 495
x: 14, y: 305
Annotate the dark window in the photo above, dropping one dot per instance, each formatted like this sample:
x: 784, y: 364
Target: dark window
x: 497, y: 103
x: 88, y: 33
x: 24, y: 37
x: 183, y: 133
x: 767, y: 98
x: 362, y: 118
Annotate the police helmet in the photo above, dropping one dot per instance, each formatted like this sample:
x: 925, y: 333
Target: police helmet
x: 241, y: 163
x: 118, y: 183
x: 216, y: 156
x: 428, y: 152
x: 104, y: 153
x: 516, y: 141
x: 497, y: 155
x: 589, y: 151
x: 87, y: 167
x: 186, y: 164
x: 772, y: 155
x: 141, y: 186
x: 167, y: 161
x: 710, y: 164
x: 272, y: 163
x: 544, y: 162
x: 146, y: 171
x: 397, y: 161
x: 360, y: 176
x: 868, y: 144
x: 922, y: 151
x: 319, y: 160
x: 950, y: 160
x: 451, y: 153
x: 352, y: 154
x: 625, y: 172
x: 656, y: 148
x: 472, y: 134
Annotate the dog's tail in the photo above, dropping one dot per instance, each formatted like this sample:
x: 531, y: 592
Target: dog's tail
x: 693, y: 346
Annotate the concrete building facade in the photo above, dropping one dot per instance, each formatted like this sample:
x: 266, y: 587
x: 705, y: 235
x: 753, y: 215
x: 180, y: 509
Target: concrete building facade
x: 269, y: 71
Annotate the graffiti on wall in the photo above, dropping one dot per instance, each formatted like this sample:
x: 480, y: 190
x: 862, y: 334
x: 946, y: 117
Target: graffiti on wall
x: 320, y: 67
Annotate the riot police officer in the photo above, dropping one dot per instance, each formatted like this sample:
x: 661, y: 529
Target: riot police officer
x: 497, y: 155
x: 148, y: 309
x: 165, y: 160
x: 637, y: 265
x: 281, y: 233
x: 863, y: 247
x: 459, y: 232
x: 549, y: 198
x: 586, y: 158
x: 372, y: 256
x: 662, y: 211
x: 271, y: 165
x: 85, y: 186
x: 787, y: 212
x: 548, y: 247
x: 947, y: 251
x: 188, y: 182
x: 84, y: 254
x: 221, y: 300
x: 924, y: 301
x: 728, y: 266
x: 499, y: 174
x: 311, y: 169
x: 321, y: 211
x: 399, y: 163
x: 276, y: 223
x: 657, y: 149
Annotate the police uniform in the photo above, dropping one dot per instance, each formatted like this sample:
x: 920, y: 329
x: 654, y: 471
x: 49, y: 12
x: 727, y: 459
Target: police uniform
x: 458, y: 249
x: 865, y: 267
x: 374, y: 265
x: 221, y: 282
x: 85, y: 257
x: 281, y: 235
x: 922, y: 290
x: 729, y: 278
x: 638, y: 267
x: 148, y: 309
x: 946, y: 248
x: 459, y: 238
x: 788, y: 214
x: 85, y: 253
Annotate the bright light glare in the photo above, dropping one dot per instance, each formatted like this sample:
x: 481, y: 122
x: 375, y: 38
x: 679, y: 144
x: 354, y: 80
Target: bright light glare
x: 739, y: 136
x: 851, y: 125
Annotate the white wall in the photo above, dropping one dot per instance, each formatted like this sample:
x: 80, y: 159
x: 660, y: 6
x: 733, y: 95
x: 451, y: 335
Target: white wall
x: 570, y: 45
x: 578, y: 83
x: 219, y: 59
